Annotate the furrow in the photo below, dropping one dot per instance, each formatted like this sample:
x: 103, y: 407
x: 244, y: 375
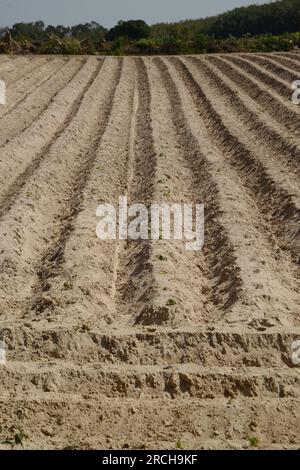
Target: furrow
x: 29, y: 111
x: 293, y: 56
x: 42, y: 212
x: 285, y: 60
x: 18, y: 94
x: 281, y: 109
x: 53, y: 258
x: 289, y: 67
x: 268, y: 77
x: 273, y: 72
x: 12, y: 187
x: 135, y: 282
x: 213, y: 283
x: 276, y: 186
x: 15, y: 70
x: 81, y: 281
x: 230, y: 154
x: 265, y: 126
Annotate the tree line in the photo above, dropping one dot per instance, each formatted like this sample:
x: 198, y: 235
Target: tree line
x: 267, y: 27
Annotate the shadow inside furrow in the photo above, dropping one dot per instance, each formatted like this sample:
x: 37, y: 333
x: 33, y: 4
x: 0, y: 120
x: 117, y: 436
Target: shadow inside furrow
x: 135, y: 285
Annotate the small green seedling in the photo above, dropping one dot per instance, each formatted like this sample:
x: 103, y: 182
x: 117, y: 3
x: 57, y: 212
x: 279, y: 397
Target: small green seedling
x: 179, y: 445
x: 162, y: 258
x: 253, y: 441
x: 171, y: 302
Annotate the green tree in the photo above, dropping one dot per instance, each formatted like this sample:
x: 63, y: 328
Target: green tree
x: 133, y: 29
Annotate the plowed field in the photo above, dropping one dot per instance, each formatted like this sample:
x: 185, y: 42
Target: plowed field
x: 95, y: 355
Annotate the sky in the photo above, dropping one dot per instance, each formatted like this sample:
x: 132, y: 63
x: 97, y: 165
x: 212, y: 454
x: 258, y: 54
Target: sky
x: 109, y: 12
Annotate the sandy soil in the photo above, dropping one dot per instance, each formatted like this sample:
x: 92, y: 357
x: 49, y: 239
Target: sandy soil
x: 96, y: 358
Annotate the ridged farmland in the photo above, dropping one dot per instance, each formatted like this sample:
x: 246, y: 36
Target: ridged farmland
x: 96, y: 355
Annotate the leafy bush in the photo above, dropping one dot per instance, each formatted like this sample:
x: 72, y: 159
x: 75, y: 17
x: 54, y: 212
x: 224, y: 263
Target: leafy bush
x: 71, y: 46
x: 118, y: 47
x: 147, y: 46
x: 201, y: 43
x: 171, y: 45
x: 55, y: 45
x: 270, y: 43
